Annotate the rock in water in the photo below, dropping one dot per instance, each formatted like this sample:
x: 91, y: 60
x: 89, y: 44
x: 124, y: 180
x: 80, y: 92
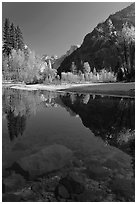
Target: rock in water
x: 11, y: 198
x: 62, y: 192
x: 46, y: 160
x: 68, y: 187
x: 13, y: 182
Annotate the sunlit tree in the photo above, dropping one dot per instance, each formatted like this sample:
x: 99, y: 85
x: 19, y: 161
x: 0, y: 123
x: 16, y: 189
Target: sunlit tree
x: 127, y: 42
x: 73, y: 68
x: 87, y: 68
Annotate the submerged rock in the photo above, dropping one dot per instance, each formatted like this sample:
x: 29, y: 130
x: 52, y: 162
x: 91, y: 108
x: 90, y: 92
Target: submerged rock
x: 68, y: 188
x: 15, y: 167
x: 46, y: 160
x: 97, y: 172
x: 123, y: 188
x: 11, y: 198
x: 13, y: 182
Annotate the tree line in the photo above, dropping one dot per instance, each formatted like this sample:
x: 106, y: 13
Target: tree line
x: 19, y: 63
x: 12, y: 38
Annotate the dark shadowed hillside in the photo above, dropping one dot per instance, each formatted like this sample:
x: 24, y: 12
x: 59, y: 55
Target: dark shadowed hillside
x: 58, y: 62
x: 110, y: 45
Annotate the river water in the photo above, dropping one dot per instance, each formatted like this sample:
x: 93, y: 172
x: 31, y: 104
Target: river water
x: 97, y: 129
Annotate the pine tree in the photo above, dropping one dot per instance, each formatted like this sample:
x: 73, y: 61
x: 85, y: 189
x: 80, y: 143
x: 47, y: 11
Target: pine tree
x: 6, y: 37
x: 19, y: 38
x: 13, y: 43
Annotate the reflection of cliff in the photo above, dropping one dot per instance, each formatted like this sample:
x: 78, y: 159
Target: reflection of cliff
x: 107, y: 117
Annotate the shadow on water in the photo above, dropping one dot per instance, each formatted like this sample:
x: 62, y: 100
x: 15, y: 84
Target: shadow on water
x: 111, y: 119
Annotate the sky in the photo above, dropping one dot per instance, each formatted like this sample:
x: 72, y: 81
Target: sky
x: 52, y: 27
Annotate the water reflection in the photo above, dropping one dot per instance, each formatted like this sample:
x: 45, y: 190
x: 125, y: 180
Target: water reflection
x: 18, y: 105
x: 38, y: 121
x: 16, y: 124
x: 111, y: 118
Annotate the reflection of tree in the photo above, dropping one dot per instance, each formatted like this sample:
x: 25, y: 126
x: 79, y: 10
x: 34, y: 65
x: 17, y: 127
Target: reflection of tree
x: 73, y: 97
x: 86, y: 98
x: 18, y: 105
x: 48, y: 98
x: 16, y: 124
x: 106, y: 116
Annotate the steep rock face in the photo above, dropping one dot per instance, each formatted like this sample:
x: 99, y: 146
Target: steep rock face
x: 49, y: 60
x: 58, y: 61
x: 105, y: 46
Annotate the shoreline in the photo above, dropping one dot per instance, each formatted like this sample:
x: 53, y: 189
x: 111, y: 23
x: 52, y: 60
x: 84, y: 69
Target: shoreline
x: 48, y: 87
x: 119, y: 89
x: 111, y: 89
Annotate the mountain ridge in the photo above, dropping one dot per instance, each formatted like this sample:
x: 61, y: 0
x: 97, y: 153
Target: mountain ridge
x: 103, y: 46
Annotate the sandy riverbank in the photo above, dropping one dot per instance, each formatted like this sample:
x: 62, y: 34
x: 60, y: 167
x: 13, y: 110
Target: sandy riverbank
x: 51, y: 87
x: 96, y: 88
x: 119, y: 89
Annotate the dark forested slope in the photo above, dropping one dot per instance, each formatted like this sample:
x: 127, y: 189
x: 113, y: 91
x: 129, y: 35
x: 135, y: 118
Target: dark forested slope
x: 110, y: 45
